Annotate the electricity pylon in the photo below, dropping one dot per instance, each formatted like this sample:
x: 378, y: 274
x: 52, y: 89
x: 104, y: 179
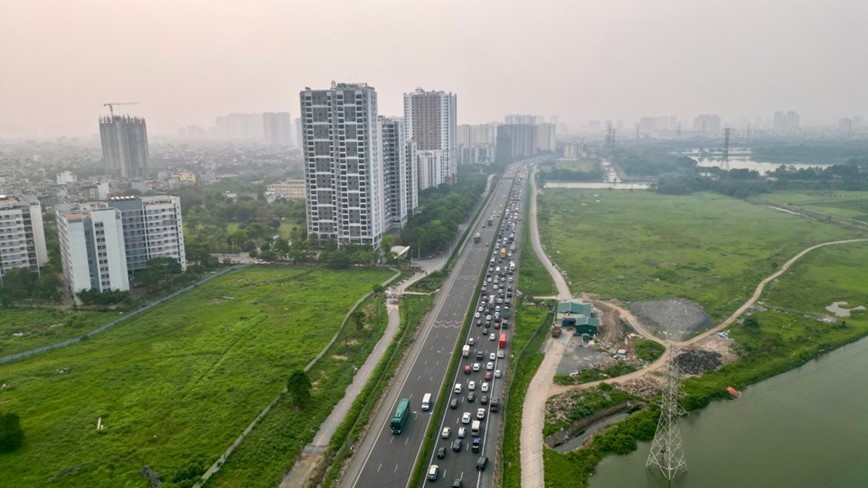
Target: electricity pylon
x: 666, y: 453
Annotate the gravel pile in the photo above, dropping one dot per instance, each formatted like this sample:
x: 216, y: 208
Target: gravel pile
x: 697, y: 361
x: 673, y: 318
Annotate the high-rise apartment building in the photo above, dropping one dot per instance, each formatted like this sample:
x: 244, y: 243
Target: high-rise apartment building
x: 92, y: 248
x: 124, y: 146
x: 399, y: 173
x: 343, y: 164
x: 277, y: 128
x: 22, y: 236
x: 432, y: 167
x: 152, y: 228
x: 431, y: 120
x: 477, y: 143
x: 786, y: 122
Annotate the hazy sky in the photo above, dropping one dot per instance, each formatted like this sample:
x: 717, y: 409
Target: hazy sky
x: 188, y: 61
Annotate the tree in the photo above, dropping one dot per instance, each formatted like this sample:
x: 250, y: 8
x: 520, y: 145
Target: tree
x: 11, y: 435
x: 298, y: 387
x: 751, y: 323
x: 158, y: 270
x: 358, y: 319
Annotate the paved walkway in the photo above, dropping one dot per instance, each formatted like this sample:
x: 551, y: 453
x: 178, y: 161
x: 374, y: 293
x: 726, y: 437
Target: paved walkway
x: 312, y: 454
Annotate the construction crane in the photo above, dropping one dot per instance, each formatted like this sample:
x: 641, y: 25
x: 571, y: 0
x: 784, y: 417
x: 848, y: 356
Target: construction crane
x: 111, y: 105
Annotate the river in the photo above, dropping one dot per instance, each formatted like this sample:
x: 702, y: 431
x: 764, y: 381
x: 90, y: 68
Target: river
x: 804, y: 428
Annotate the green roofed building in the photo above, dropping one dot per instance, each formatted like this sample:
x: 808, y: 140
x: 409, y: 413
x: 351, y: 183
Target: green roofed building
x: 578, y: 314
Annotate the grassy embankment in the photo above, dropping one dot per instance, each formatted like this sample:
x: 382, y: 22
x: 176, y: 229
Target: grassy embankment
x: 789, y: 333
x: 41, y: 326
x: 841, y: 204
x: 533, y: 278
x: 705, y: 247
x: 176, y: 385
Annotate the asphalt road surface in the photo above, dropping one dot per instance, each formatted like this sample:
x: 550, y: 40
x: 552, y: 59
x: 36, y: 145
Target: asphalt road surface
x: 385, y: 460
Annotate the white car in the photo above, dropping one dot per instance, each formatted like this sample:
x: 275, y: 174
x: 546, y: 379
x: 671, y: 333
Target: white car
x: 457, y: 389
x: 471, y: 385
x: 480, y: 413
x: 491, y: 356
x: 476, y: 367
x: 500, y: 353
x: 489, y: 366
x: 485, y: 387
x: 446, y: 432
x: 491, y: 337
x: 471, y: 341
x: 462, y: 432
x: 497, y: 373
x: 477, y: 315
x: 465, y: 419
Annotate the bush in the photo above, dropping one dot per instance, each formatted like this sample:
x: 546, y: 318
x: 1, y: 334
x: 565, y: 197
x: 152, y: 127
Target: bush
x: 11, y: 435
x: 648, y: 350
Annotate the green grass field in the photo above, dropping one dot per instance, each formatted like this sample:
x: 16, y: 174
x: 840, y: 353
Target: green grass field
x: 843, y: 204
x: 533, y: 278
x: 176, y: 385
x: 705, y: 247
x: 22, y: 329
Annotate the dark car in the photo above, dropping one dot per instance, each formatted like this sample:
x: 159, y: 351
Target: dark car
x: 480, y: 355
x: 475, y: 446
x: 457, y: 445
x: 471, y: 397
x: 488, y: 376
x: 481, y: 463
x: 454, y: 403
x: 483, y: 399
x: 441, y: 453
x: 458, y: 484
x: 495, y: 404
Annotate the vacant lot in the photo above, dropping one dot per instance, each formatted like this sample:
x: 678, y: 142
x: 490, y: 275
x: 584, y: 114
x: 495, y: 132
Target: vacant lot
x: 176, y: 385
x: 843, y: 204
x: 22, y: 329
x: 705, y: 247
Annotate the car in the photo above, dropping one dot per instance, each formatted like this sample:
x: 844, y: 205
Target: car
x: 480, y: 413
x: 480, y: 355
x: 487, y: 376
x: 458, y: 484
x: 488, y: 318
x: 489, y: 365
x: 453, y: 404
x: 481, y: 463
x: 471, y: 341
x: 483, y: 399
x: 476, y: 367
x: 477, y: 315
x: 491, y: 337
x: 441, y: 453
x: 467, y: 369
x: 477, y: 443
x: 497, y: 373
x: 478, y: 322
x: 485, y: 386
x: 471, y: 397
x: 480, y: 309
x: 485, y: 330
x: 446, y: 432
x: 462, y: 432
x: 471, y: 385
x: 465, y: 418
x: 491, y: 356
x: 457, y: 445
x: 495, y: 404
x: 457, y: 389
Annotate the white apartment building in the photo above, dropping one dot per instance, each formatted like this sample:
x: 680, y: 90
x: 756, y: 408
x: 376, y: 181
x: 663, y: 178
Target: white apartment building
x: 153, y: 228
x: 22, y: 236
x: 431, y: 120
x: 432, y: 168
x: 400, y: 172
x: 92, y: 248
x: 343, y: 164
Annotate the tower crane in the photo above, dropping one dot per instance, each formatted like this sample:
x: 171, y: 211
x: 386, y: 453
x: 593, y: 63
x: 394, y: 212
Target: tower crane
x: 111, y: 105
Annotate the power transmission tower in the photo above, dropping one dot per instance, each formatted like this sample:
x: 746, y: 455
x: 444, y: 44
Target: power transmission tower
x: 725, y: 159
x: 666, y: 453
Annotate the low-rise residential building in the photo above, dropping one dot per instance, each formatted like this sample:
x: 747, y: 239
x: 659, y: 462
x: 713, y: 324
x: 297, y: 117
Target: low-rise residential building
x: 289, y: 189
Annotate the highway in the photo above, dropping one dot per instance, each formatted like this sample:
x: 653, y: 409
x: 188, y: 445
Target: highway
x: 463, y: 464
x: 386, y: 460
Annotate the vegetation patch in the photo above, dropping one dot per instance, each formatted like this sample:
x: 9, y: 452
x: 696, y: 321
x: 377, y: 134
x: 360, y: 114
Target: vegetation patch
x: 22, y: 329
x: 596, y: 374
x: 841, y: 204
x: 563, y: 410
x: 176, y: 385
x: 533, y: 278
x: 648, y: 350
x: 705, y: 247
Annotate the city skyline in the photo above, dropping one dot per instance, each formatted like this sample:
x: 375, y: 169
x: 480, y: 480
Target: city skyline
x: 588, y: 61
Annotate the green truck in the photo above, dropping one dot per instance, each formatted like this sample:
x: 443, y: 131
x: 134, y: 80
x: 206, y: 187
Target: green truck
x: 402, y: 414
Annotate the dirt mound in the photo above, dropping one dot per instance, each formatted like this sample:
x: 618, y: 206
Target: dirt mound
x: 673, y: 318
x: 697, y: 361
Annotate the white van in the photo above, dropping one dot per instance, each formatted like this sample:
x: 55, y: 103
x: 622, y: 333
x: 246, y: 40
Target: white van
x: 474, y: 427
x: 465, y: 351
x: 426, y: 402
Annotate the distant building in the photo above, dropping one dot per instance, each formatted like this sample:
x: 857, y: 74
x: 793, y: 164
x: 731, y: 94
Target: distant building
x: 523, y: 119
x: 432, y: 169
x: 92, y: 248
x: 240, y: 127
x: 343, y: 166
x: 289, y: 190
x: 66, y: 177
x: 22, y: 235
x: 572, y: 150
x: 187, y: 177
x: 431, y: 120
x: 477, y: 143
x: 277, y: 128
x: 786, y: 122
x: 124, y: 146
x: 707, y: 124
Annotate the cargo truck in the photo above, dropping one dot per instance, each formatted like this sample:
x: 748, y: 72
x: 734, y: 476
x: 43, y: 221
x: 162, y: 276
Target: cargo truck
x: 465, y: 351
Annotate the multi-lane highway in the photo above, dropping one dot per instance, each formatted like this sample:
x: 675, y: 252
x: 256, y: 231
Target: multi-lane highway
x: 383, y: 459
x: 478, y: 383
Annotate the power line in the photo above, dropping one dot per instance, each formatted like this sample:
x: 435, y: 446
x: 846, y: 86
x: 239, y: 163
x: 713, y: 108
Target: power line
x: 667, y: 454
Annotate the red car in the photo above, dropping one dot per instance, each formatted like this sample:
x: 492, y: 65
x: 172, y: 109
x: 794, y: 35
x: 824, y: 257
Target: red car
x: 467, y: 369
x: 488, y: 376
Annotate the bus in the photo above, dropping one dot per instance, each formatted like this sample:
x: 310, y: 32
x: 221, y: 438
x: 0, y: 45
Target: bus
x: 502, y: 341
x: 402, y: 413
x: 426, y: 400
x: 502, y: 253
